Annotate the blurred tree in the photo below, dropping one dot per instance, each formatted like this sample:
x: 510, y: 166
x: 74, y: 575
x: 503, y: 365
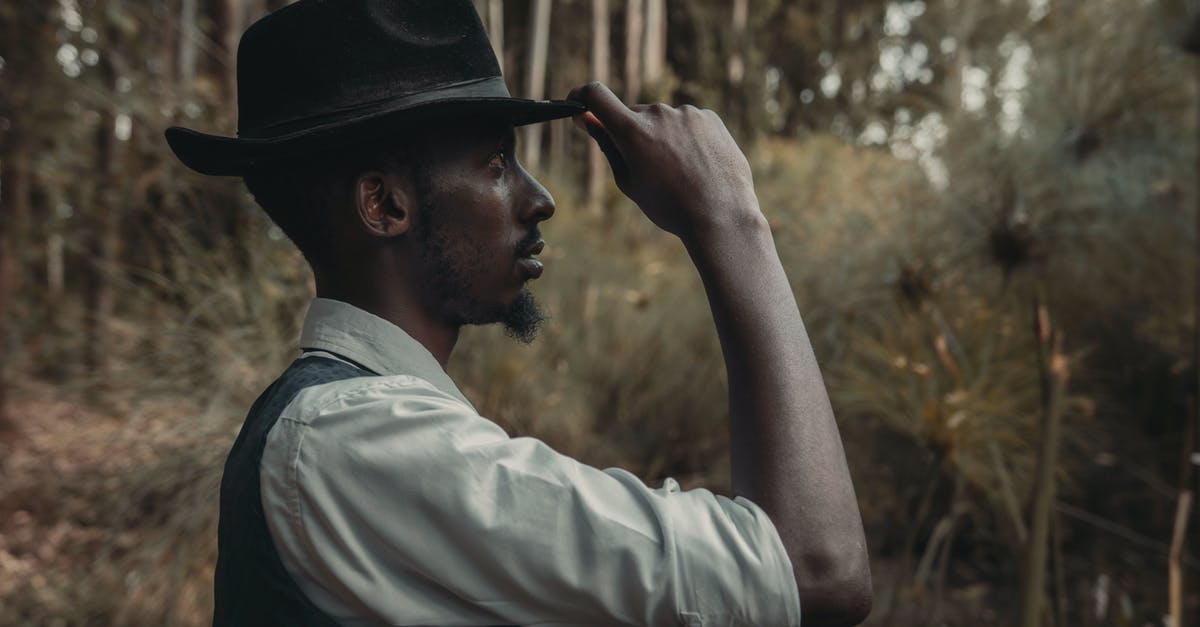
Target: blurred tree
x: 231, y: 18
x: 22, y: 118
x: 932, y: 161
x: 598, y: 172
x: 635, y: 22
x: 539, y: 38
x: 491, y: 13
x: 656, y: 42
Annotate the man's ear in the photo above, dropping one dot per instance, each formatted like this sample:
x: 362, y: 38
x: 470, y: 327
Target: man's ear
x: 383, y: 203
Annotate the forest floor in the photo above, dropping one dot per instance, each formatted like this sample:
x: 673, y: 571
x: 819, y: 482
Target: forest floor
x: 107, y: 516
x: 81, y: 493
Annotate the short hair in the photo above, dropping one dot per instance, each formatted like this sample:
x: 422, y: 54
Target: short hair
x: 301, y: 193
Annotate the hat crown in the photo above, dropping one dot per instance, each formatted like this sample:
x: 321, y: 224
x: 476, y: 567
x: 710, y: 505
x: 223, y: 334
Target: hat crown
x: 319, y: 58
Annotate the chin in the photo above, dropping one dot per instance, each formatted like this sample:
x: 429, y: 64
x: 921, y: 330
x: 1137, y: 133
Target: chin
x: 522, y: 317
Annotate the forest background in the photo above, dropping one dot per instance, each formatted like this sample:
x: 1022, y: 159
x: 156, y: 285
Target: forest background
x: 987, y: 210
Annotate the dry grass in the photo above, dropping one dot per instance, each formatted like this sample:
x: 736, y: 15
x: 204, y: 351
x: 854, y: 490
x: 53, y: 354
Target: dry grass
x: 107, y: 516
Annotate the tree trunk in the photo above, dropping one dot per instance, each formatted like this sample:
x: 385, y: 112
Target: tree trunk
x: 15, y: 180
x: 187, y: 45
x: 539, y: 29
x: 495, y: 27
x: 738, y: 102
x: 635, y: 22
x: 600, y: 56
x: 656, y: 41
x: 737, y: 62
x: 561, y: 132
x: 233, y: 22
x: 105, y: 236
x: 964, y: 19
x: 1054, y: 369
x: 56, y: 272
x: 104, y: 220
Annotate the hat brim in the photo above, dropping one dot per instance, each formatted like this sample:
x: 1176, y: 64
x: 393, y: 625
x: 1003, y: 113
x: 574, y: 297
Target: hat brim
x: 217, y: 155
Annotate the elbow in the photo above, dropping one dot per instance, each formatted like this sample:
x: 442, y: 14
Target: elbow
x: 834, y: 592
x: 837, y: 604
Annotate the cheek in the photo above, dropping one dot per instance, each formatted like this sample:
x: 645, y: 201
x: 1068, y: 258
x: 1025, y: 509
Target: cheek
x: 478, y: 249
x: 483, y: 229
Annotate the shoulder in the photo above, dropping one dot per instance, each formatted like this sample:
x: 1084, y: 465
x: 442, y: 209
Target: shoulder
x: 389, y: 413
x: 393, y: 394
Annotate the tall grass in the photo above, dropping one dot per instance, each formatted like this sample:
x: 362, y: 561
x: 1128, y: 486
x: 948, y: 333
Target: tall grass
x: 922, y: 338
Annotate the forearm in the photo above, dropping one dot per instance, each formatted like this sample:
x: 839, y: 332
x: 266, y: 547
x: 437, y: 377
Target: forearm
x: 687, y: 174
x: 787, y: 454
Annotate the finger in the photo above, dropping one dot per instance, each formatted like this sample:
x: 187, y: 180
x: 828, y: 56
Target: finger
x: 585, y: 119
x: 605, y: 106
x: 607, y: 146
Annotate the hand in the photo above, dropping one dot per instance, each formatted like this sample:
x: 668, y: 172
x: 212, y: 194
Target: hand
x: 679, y: 164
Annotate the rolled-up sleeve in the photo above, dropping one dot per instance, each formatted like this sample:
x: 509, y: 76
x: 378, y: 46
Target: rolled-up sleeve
x: 397, y: 503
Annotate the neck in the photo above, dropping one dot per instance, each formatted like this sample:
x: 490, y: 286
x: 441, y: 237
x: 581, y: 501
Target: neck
x: 397, y: 305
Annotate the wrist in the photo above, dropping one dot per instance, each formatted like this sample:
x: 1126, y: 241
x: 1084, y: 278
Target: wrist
x: 741, y: 225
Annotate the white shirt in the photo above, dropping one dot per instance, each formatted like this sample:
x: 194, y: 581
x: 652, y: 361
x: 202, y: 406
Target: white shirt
x: 392, y: 501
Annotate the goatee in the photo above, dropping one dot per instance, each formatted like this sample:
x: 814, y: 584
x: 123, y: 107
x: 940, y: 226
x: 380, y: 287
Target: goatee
x: 448, y: 270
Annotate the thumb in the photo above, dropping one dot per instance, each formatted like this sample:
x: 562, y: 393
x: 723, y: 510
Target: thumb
x: 616, y: 160
x: 599, y: 134
x: 606, y: 109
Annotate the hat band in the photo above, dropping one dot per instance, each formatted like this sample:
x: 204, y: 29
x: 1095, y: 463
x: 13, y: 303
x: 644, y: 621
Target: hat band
x: 488, y: 87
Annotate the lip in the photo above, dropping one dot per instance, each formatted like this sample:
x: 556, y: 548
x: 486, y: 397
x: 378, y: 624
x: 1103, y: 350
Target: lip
x: 530, y: 267
x: 534, y: 248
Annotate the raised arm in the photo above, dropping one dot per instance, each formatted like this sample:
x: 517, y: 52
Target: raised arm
x: 682, y: 167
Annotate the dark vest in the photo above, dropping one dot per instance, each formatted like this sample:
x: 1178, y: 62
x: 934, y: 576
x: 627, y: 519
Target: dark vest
x: 251, y: 586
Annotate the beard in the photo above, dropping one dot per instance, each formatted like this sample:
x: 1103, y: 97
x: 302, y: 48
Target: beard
x: 449, y: 271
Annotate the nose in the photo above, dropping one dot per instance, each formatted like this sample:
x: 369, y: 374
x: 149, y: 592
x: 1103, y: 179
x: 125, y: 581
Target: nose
x: 538, y: 204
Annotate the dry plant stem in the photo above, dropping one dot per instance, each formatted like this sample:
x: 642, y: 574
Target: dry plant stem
x: 942, y: 531
x: 1053, y: 366
x: 1060, y: 579
x: 1183, y: 510
x: 943, y: 564
x: 1011, y: 502
x: 1161, y: 549
x: 1183, y: 507
x: 937, y: 552
x: 1194, y: 37
x: 933, y: 478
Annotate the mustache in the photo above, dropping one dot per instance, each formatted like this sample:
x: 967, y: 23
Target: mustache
x: 531, y: 238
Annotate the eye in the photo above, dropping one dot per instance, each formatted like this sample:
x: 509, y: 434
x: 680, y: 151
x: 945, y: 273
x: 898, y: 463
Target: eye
x: 499, y: 159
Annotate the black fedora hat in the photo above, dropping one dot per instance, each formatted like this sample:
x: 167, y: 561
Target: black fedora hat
x: 319, y: 73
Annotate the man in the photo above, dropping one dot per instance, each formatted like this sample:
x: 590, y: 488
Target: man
x: 365, y: 489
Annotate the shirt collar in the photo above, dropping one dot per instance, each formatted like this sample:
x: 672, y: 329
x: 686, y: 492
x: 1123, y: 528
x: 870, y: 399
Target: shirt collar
x: 362, y: 337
